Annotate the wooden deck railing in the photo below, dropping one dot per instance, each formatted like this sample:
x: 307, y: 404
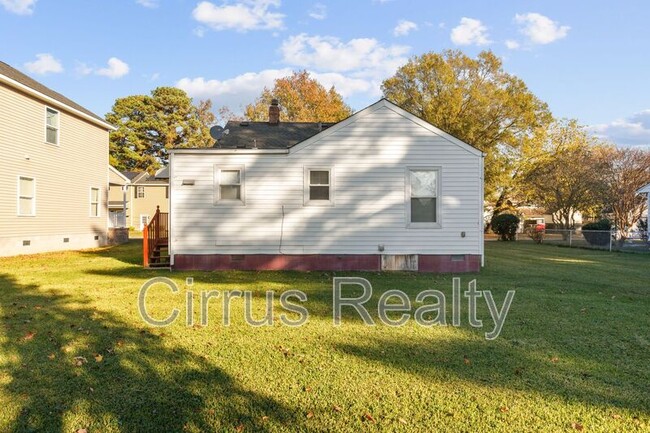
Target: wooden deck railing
x: 155, y: 235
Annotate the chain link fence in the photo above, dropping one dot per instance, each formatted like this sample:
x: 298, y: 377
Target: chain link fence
x: 609, y: 240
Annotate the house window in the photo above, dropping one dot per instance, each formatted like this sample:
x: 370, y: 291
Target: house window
x: 94, y: 202
x: 423, y: 193
x: 139, y: 192
x: 26, y: 196
x: 51, y: 126
x: 319, y: 186
x: 229, y: 184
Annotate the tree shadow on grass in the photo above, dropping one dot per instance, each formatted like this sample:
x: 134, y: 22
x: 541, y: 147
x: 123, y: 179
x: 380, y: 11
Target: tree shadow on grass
x: 502, y: 364
x: 71, y: 364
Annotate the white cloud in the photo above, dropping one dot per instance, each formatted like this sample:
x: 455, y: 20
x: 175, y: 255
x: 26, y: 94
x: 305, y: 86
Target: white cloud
x: 44, y: 64
x: 115, y: 69
x: 631, y: 131
x: 327, y: 53
x: 151, y: 4
x: 318, y: 11
x: 512, y: 44
x: 243, y: 89
x: 241, y: 16
x: 19, y: 7
x: 470, y: 31
x: 540, y: 29
x: 199, y: 32
x: 404, y: 27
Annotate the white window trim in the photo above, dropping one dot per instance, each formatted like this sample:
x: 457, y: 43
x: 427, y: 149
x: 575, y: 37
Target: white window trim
x: 99, y: 201
x: 306, y: 200
x: 18, y: 196
x: 58, y: 127
x: 407, y: 197
x: 216, y: 185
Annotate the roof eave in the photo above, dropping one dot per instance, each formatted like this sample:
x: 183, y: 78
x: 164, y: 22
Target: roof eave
x: 55, y: 103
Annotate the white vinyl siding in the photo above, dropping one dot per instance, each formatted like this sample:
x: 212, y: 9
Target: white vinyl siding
x: 94, y: 202
x: 26, y: 196
x: 368, y: 158
x: 229, y: 184
x: 51, y: 126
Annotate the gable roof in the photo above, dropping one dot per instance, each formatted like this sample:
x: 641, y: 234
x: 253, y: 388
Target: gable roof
x: 263, y: 135
x: 119, y: 178
x: 315, y: 136
x: 143, y: 178
x: 19, y: 80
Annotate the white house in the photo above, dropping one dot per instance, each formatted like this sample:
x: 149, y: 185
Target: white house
x: 646, y: 190
x: 382, y: 189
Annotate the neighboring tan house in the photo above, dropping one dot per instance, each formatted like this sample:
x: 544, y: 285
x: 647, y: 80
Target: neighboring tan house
x: 54, y: 172
x: 144, y: 194
x: 381, y: 190
x: 118, y: 198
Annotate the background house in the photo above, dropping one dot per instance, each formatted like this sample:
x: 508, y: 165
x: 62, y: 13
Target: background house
x: 144, y: 193
x: 54, y: 176
x: 646, y: 190
x: 382, y: 189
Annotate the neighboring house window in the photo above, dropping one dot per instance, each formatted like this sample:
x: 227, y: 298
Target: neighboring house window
x: 26, y: 196
x: 423, y: 186
x: 319, y: 186
x: 229, y: 184
x: 94, y: 202
x: 139, y: 192
x: 166, y: 192
x: 51, y: 126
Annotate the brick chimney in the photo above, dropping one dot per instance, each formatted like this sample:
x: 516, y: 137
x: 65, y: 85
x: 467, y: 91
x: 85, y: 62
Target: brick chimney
x: 274, y: 112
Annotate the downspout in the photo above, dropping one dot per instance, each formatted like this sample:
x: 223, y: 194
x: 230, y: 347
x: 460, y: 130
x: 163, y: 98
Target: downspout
x: 481, y: 230
x: 170, y: 228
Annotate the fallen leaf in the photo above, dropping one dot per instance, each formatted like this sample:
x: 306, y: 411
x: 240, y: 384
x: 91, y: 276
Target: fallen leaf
x: 466, y: 360
x: 310, y: 415
x: 79, y: 361
x: 577, y: 426
x: 51, y: 356
x: 240, y: 428
x: 98, y: 357
x: 616, y: 416
x: 30, y: 335
x: 368, y: 417
x: 81, y: 430
x: 265, y: 418
x: 504, y: 409
x: 402, y: 420
x: 555, y: 359
x: 306, y: 388
x: 337, y: 408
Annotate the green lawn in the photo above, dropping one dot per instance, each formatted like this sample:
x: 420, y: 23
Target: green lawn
x: 574, y: 352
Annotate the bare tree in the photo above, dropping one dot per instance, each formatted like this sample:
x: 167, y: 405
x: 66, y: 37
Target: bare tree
x: 626, y: 170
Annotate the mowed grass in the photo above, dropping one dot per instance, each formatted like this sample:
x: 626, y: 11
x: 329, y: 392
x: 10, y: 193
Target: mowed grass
x: 574, y: 352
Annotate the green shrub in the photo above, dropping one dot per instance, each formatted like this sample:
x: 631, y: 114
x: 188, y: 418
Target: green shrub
x: 505, y: 225
x: 597, y: 233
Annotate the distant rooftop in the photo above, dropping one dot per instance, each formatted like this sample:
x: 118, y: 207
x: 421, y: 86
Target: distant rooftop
x: 265, y: 135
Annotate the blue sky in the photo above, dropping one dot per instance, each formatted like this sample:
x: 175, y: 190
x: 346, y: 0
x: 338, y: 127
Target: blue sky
x: 587, y: 60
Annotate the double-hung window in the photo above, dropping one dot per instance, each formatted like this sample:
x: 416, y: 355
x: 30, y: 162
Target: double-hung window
x: 94, y: 202
x: 423, y: 197
x: 229, y: 184
x: 51, y: 126
x: 319, y: 186
x: 26, y: 196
